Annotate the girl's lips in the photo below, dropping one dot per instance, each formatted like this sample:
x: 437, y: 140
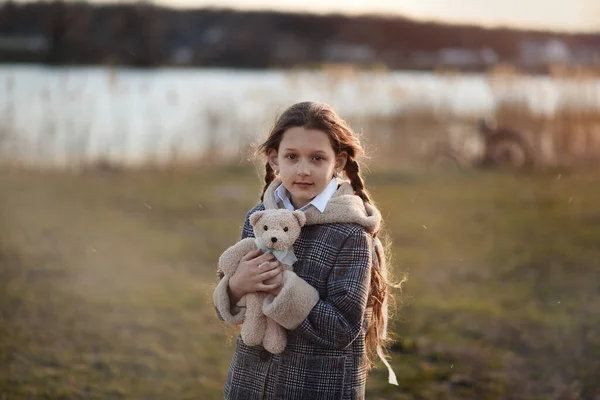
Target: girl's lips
x: 303, y: 185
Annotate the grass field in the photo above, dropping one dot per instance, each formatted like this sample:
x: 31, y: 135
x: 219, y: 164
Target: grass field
x: 106, y: 282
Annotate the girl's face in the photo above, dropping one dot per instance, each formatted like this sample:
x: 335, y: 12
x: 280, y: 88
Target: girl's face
x: 306, y: 163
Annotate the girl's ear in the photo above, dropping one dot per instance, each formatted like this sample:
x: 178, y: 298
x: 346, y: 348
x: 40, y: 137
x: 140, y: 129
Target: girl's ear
x: 300, y: 217
x: 340, y: 161
x: 273, y: 159
x: 255, y: 217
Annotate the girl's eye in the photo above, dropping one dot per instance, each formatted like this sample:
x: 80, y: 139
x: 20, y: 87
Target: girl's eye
x: 291, y: 156
x: 266, y: 228
x: 318, y: 158
x: 285, y: 229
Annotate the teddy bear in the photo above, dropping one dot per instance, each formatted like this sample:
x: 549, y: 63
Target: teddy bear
x: 275, y: 232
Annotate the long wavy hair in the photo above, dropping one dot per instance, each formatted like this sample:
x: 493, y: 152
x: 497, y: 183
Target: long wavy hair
x: 319, y: 116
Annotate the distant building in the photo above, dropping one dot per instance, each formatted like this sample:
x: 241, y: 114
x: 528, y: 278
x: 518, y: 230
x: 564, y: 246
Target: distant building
x: 586, y: 55
x: 23, y: 48
x: 182, y: 55
x: 424, y: 59
x: 214, y: 35
x: 290, y: 50
x: 29, y: 44
x: 455, y: 57
x: 535, y: 53
x: 344, y: 52
x: 460, y: 57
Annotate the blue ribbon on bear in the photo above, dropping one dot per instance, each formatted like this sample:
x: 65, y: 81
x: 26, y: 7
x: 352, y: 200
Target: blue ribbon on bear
x: 286, y: 256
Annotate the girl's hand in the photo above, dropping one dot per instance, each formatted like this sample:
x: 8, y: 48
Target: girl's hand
x: 277, y: 280
x: 254, y: 269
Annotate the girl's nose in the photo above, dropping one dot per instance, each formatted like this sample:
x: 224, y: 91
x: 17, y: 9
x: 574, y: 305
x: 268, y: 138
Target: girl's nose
x: 303, y: 168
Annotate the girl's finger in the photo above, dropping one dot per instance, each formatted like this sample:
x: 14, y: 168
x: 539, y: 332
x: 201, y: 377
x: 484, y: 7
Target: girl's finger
x: 252, y: 254
x: 265, y: 257
x: 268, y: 266
x: 266, y: 288
x: 270, y: 273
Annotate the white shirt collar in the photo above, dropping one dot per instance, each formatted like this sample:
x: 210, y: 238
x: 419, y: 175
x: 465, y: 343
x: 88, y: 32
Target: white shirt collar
x: 319, y: 202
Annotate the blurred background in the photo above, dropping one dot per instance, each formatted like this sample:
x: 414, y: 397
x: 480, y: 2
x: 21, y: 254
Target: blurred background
x: 126, y: 132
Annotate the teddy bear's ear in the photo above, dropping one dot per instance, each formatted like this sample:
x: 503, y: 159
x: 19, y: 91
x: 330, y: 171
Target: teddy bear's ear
x: 300, y: 217
x: 255, y: 217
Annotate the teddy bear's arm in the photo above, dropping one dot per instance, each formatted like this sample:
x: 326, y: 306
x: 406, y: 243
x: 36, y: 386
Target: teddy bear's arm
x: 232, y: 314
x: 228, y: 262
x: 230, y: 259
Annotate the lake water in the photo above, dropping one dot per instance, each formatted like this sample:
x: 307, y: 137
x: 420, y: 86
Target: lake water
x: 60, y: 116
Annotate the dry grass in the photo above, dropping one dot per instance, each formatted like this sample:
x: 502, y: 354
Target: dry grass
x: 567, y: 136
x: 106, y: 281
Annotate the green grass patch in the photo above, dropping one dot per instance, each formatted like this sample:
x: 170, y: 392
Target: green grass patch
x: 106, y: 283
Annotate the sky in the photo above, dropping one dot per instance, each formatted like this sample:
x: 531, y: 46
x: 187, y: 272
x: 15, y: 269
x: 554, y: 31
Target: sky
x: 564, y: 15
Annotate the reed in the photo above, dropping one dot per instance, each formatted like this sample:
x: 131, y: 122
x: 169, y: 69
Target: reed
x: 563, y: 128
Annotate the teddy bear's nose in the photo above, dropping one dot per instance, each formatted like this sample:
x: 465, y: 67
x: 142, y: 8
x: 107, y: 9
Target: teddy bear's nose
x: 274, y: 239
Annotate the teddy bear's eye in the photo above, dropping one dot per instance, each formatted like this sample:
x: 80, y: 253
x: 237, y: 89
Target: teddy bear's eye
x: 266, y: 228
x: 285, y: 229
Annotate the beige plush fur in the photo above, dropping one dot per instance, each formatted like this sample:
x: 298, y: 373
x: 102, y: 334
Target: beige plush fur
x: 277, y: 229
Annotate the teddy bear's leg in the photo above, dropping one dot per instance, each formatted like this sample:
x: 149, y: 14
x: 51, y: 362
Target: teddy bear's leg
x: 253, y: 329
x: 275, y: 337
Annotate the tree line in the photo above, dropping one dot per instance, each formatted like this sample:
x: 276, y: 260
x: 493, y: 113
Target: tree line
x: 146, y: 35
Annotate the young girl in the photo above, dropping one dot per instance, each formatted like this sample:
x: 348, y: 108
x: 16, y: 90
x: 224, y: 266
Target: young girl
x: 334, y: 303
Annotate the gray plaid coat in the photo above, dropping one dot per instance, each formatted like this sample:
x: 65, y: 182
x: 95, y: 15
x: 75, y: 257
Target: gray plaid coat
x: 325, y: 355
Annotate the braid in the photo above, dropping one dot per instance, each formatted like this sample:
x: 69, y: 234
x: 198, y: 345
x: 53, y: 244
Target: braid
x: 353, y: 173
x: 269, y: 177
x: 377, y: 336
x: 377, y: 332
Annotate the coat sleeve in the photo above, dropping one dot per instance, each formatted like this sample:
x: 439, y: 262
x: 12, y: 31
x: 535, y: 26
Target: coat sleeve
x: 234, y: 315
x: 336, y: 320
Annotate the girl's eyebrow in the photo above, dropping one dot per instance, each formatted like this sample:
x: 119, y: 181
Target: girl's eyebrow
x: 312, y: 151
